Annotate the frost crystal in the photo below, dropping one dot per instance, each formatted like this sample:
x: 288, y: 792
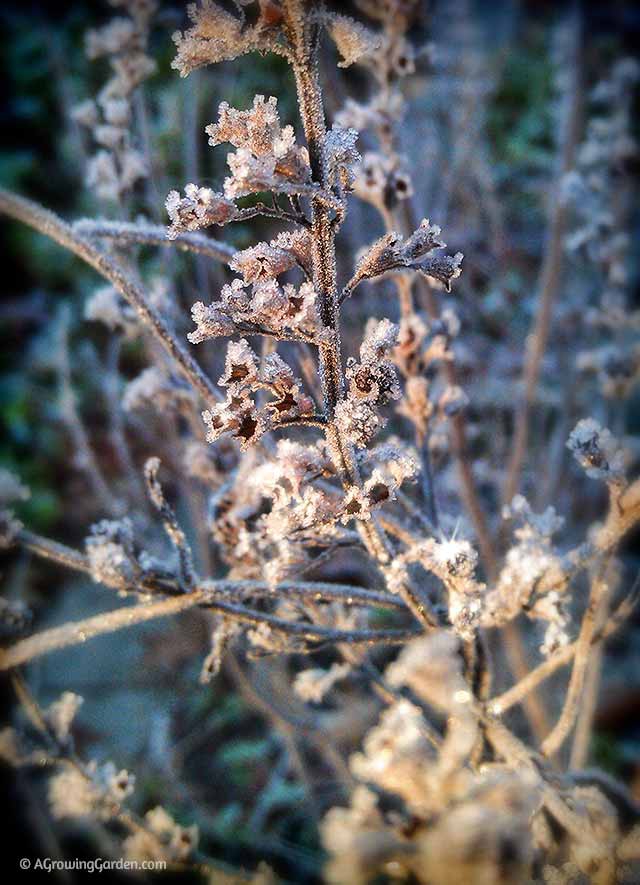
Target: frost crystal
x: 267, y: 260
x: 239, y: 415
x: 72, y: 795
x: 341, y: 155
x: 61, y: 713
x: 268, y: 306
x: 164, y: 839
x: 267, y: 157
x: 216, y: 35
x: 119, y: 166
x: 531, y: 567
x: 596, y: 450
x: 107, y: 306
x: 110, y: 551
x: 199, y: 208
x: 397, y: 756
x: 156, y: 389
x: 359, y: 421
x: 391, y: 252
x: 313, y: 685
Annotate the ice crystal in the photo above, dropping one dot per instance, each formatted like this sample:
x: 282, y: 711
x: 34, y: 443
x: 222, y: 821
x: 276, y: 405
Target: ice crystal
x: 353, y: 40
x: 596, y: 450
x: 314, y: 685
x: 61, y: 713
x: 200, y: 207
x: 110, y: 551
x: 267, y: 157
x: 107, y: 306
x: 392, y: 252
x: 279, y: 309
x: 163, y: 839
x: 217, y: 35
x: 341, y: 155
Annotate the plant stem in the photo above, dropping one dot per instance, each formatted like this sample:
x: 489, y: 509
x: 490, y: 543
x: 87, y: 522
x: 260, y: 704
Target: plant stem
x: 52, y: 226
x: 550, y: 276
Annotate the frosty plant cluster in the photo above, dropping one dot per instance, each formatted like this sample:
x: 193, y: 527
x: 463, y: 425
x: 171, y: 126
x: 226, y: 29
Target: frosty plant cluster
x: 290, y: 463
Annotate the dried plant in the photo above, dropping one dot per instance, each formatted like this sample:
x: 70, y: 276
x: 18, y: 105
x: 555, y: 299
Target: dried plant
x: 255, y: 485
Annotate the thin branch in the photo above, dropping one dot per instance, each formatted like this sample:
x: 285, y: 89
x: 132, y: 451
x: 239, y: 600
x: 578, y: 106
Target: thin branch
x: 516, y: 694
x: 86, y: 461
x: 51, y: 225
x: 301, y: 421
x: 271, y: 212
x: 141, y: 233
x: 570, y: 709
x: 171, y: 526
x: 550, y: 274
x: 78, y: 632
x: 319, y: 591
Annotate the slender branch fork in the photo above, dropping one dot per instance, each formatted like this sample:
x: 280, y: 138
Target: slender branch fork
x: 305, y: 68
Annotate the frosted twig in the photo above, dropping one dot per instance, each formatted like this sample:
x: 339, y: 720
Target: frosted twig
x: 319, y: 591
x: 78, y: 632
x: 562, y: 728
x: 141, y: 233
x: 86, y: 459
x: 171, y: 526
x: 563, y: 656
x: 51, y: 225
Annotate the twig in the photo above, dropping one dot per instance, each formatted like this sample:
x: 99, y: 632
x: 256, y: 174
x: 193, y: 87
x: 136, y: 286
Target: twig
x: 562, y: 728
x: 78, y: 632
x: 141, y: 233
x: 51, y: 225
x: 550, y: 274
x: 501, y: 703
x: 170, y: 522
x: 319, y: 591
x: 86, y: 459
x: 305, y: 69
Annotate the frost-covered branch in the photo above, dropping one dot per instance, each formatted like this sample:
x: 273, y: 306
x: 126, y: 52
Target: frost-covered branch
x: 49, y: 224
x: 143, y: 233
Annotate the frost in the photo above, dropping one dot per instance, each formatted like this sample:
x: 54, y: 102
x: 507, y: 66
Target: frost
x: 107, y: 306
x: 341, y: 156
x: 596, y: 450
x: 392, y: 252
x: 268, y: 306
x: 216, y: 35
x: 110, y: 551
x: 353, y: 40
x: 267, y: 157
x: 154, y: 388
x: 72, y: 795
x: 397, y: 755
x: 61, y: 713
x: 239, y: 415
x: 314, y: 685
x: 200, y: 207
